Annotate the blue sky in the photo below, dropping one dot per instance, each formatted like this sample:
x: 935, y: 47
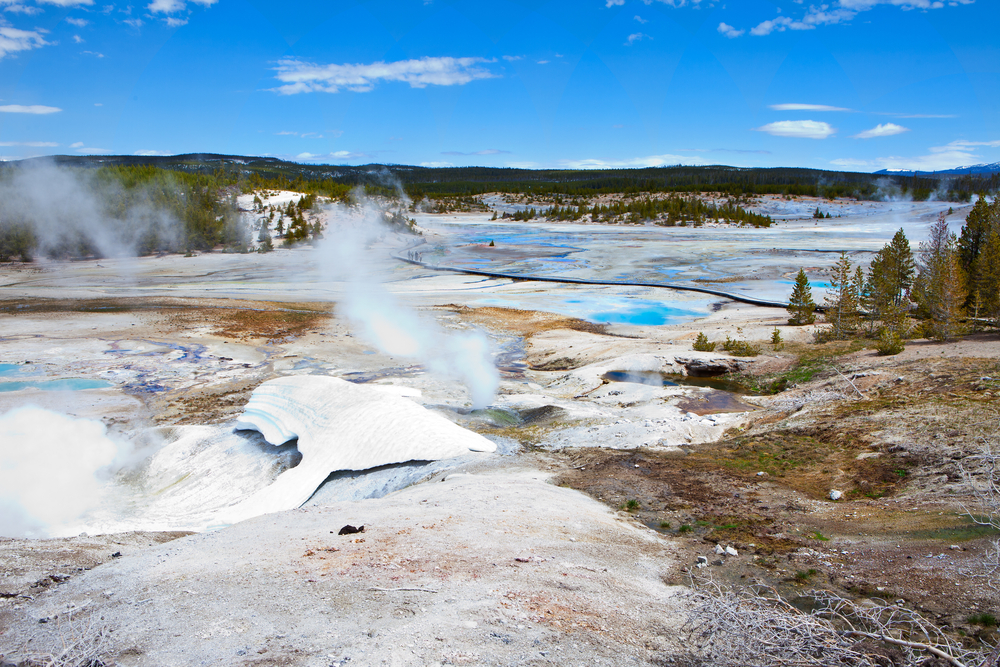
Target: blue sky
x: 850, y: 84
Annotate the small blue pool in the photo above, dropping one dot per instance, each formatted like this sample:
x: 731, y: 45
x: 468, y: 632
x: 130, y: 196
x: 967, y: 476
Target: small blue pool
x: 69, y: 384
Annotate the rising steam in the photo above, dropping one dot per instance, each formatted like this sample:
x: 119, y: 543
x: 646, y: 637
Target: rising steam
x: 76, y: 213
x: 396, y: 329
x: 54, y: 470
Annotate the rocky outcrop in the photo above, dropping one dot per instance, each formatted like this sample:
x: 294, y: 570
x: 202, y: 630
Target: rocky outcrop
x: 709, y: 366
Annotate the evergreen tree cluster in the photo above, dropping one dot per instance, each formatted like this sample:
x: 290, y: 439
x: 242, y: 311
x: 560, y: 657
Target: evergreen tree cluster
x: 951, y: 282
x: 337, y: 181
x: 145, y: 209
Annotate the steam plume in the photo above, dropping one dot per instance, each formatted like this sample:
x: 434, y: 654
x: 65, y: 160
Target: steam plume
x: 396, y: 329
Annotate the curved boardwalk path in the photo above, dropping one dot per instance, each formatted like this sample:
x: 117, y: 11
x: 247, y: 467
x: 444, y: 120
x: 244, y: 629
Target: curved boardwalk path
x: 401, y: 256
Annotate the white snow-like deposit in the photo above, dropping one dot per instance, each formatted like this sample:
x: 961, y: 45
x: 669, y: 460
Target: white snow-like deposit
x: 342, y: 426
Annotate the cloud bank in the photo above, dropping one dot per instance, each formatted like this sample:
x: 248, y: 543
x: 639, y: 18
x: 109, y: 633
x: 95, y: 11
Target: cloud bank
x: 800, y: 129
x: 882, y: 130
x: 842, y: 11
x: 305, y: 77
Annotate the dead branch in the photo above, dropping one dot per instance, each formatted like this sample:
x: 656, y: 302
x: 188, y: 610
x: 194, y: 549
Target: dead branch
x: 756, y: 627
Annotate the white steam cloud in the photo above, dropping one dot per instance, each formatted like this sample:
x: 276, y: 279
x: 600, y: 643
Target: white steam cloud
x: 54, y: 469
x: 346, y: 255
x: 67, y: 213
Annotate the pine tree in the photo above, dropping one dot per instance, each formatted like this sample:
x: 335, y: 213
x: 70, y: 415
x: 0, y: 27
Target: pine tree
x: 801, y: 306
x: 939, y: 288
x: 979, y: 224
x: 842, y: 300
x: 865, y: 302
x: 987, y: 282
x: 890, y: 277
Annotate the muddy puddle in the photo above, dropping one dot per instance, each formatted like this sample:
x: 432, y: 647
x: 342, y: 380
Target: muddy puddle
x: 712, y: 402
x: 660, y: 379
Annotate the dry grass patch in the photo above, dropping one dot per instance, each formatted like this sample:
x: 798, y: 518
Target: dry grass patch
x: 523, y: 322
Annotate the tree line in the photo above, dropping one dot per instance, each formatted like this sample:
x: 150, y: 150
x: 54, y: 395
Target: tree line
x: 336, y: 181
x: 950, y: 286
x: 145, y: 209
x: 668, y: 211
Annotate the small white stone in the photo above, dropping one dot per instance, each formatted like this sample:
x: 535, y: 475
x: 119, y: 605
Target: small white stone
x: 836, y: 495
x: 719, y: 550
x: 470, y: 624
x: 732, y: 551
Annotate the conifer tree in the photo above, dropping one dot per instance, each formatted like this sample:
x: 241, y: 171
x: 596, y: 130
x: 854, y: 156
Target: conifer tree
x: 939, y: 288
x: 979, y: 224
x: 987, y: 280
x: 842, y: 300
x: 801, y: 306
x: 890, y: 277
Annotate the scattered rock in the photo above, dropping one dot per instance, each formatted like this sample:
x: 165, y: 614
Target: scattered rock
x: 709, y: 367
x: 732, y: 551
x: 719, y: 550
x: 762, y: 474
x: 836, y: 495
x: 702, y: 562
x: 350, y: 530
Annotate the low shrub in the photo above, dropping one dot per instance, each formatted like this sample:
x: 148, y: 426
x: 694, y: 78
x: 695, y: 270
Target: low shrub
x: 701, y: 343
x: 740, y: 348
x: 889, y: 343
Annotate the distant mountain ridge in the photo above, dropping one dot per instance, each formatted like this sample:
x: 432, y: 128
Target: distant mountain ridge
x: 993, y: 168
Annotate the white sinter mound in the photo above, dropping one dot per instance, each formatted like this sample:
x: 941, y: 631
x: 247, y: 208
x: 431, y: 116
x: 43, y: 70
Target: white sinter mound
x: 342, y: 426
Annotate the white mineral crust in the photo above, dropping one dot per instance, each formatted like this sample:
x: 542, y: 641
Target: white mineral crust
x: 342, y: 426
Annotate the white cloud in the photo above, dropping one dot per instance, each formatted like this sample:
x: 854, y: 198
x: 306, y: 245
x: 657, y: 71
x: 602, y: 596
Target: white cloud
x: 800, y: 129
x: 636, y: 37
x: 18, y: 8
x: 78, y: 144
x: 918, y: 115
x: 13, y: 40
x: 336, y: 155
x: 436, y: 165
x: 729, y: 31
x: 950, y: 156
x: 511, y: 59
x: 613, y: 3
x: 806, y: 107
x: 66, y: 3
x: 640, y: 19
x: 135, y: 23
x: 149, y: 153
x: 488, y: 151
x: 94, y: 53
x: 165, y: 6
x: 305, y: 77
x: 79, y: 23
x: 962, y: 144
x: 77, y: 39
x: 629, y: 163
x: 844, y: 11
x: 36, y: 109
x: 174, y: 22
x: 30, y: 144
x: 92, y: 151
x: 882, y: 130
x: 542, y: 62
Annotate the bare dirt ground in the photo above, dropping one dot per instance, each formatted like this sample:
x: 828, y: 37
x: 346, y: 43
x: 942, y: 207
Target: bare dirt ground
x: 505, y: 567
x: 894, y: 450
